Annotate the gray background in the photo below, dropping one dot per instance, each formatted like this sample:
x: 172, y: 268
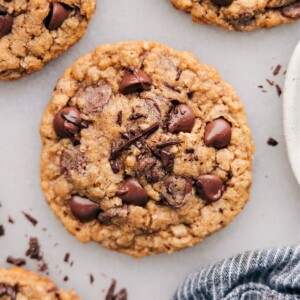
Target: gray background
x: 244, y: 59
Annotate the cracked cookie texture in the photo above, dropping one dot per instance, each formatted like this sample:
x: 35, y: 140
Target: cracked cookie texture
x: 145, y: 149
x: 241, y: 15
x: 17, y: 283
x: 33, y: 32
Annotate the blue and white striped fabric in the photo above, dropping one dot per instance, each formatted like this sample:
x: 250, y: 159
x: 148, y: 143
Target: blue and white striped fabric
x: 265, y: 274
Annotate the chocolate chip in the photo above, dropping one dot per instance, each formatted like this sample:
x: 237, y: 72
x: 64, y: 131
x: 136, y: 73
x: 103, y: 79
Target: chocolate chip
x: 6, y: 21
x: 121, y: 212
x: 292, y: 10
x: 16, y: 261
x: 222, y: 2
x: 181, y: 119
x: 210, y: 187
x: 58, y: 14
x: 67, y: 122
x: 84, y: 209
x: 131, y: 192
x: 135, y: 80
x: 10, y: 291
x: 176, y: 190
x: 217, y: 134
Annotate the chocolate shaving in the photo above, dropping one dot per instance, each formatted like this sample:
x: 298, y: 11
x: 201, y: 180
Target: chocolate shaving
x: 277, y: 70
x: 16, y: 261
x: 168, y: 143
x: 179, y: 71
x: 121, y: 295
x: 119, y: 118
x: 31, y: 219
x: 137, y: 116
x: 117, y: 151
x: 174, y: 88
x: 278, y: 89
x: 66, y: 258
x: 92, y: 279
x: 270, y: 82
x: 34, y: 249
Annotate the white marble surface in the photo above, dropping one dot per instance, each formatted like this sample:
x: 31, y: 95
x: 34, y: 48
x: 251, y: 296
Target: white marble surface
x: 245, y: 60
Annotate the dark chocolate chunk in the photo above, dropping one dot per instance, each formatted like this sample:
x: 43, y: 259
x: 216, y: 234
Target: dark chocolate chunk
x: 135, y: 80
x: 181, y: 119
x: 84, y: 209
x: 16, y: 261
x: 120, y: 211
x: 222, y: 2
x: 58, y: 14
x: 292, y: 11
x: 67, y: 122
x: 34, y: 249
x: 176, y: 190
x: 217, y: 134
x: 272, y: 142
x: 131, y: 192
x: 210, y: 187
x: 6, y: 22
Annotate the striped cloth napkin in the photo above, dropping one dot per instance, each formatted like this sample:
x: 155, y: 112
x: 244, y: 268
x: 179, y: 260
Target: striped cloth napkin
x: 258, y: 275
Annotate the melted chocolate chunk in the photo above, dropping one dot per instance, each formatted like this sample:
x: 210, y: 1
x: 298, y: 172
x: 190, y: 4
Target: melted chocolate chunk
x: 84, y: 209
x: 6, y: 22
x: 8, y: 290
x: 135, y: 80
x: 181, y: 119
x: 210, y: 187
x: 291, y: 11
x: 168, y: 143
x: 58, y: 14
x: 131, y: 192
x: 176, y: 190
x: 121, y: 212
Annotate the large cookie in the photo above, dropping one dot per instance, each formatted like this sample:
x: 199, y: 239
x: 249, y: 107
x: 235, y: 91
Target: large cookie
x: 145, y: 150
x: 17, y: 283
x: 33, y: 32
x: 243, y: 15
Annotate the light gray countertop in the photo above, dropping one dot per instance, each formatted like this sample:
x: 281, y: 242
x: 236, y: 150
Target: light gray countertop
x: 245, y: 60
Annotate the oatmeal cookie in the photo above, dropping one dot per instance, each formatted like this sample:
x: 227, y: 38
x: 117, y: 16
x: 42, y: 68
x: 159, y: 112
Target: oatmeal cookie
x: 242, y: 15
x: 17, y: 283
x: 33, y: 32
x: 145, y: 149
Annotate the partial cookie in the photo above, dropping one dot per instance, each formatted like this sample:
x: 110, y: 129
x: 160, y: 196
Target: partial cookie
x: 33, y: 32
x: 17, y: 283
x: 242, y: 15
x: 145, y: 150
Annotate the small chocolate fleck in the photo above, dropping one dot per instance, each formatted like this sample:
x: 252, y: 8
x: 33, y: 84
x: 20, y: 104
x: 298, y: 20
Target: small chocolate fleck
x: 92, y: 279
x: 115, y: 166
x: 174, y: 88
x: 66, y: 258
x: 179, y: 71
x: 11, y: 220
x: 34, y: 249
x: 272, y: 142
x: 31, y: 219
x: 66, y: 278
x: 137, y: 116
x: 189, y: 150
x: 2, y: 230
x: 119, y: 118
x: 279, y: 90
x: 270, y: 82
x: 168, y: 143
x: 190, y: 95
x: 16, y: 261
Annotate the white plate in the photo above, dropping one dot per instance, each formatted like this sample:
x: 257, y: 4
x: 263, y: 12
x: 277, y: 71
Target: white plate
x: 291, y: 112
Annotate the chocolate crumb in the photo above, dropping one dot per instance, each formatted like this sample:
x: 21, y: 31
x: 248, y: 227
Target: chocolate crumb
x: 43, y: 267
x: 66, y: 278
x: 270, y: 82
x: 11, y: 220
x: 174, y: 88
x: 34, y: 249
x: 66, y: 258
x: 272, y: 142
x: 168, y: 143
x: 277, y: 70
x: 16, y: 261
x: 278, y: 89
x: 121, y: 295
x: 31, y: 219
x: 137, y: 116
x: 119, y: 119
x: 261, y: 86
x: 92, y: 279
x: 190, y: 95
x: 2, y: 230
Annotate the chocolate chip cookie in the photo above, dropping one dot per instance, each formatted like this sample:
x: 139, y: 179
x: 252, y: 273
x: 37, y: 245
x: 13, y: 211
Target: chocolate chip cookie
x: 17, y: 283
x: 240, y: 14
x: 33, y: 32
x: 145, y: 149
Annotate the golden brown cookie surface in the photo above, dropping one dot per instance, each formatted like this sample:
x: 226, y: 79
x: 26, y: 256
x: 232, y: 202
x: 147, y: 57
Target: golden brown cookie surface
x: 242, y: 15
x: 34, y: 32
x: 145, y: 149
